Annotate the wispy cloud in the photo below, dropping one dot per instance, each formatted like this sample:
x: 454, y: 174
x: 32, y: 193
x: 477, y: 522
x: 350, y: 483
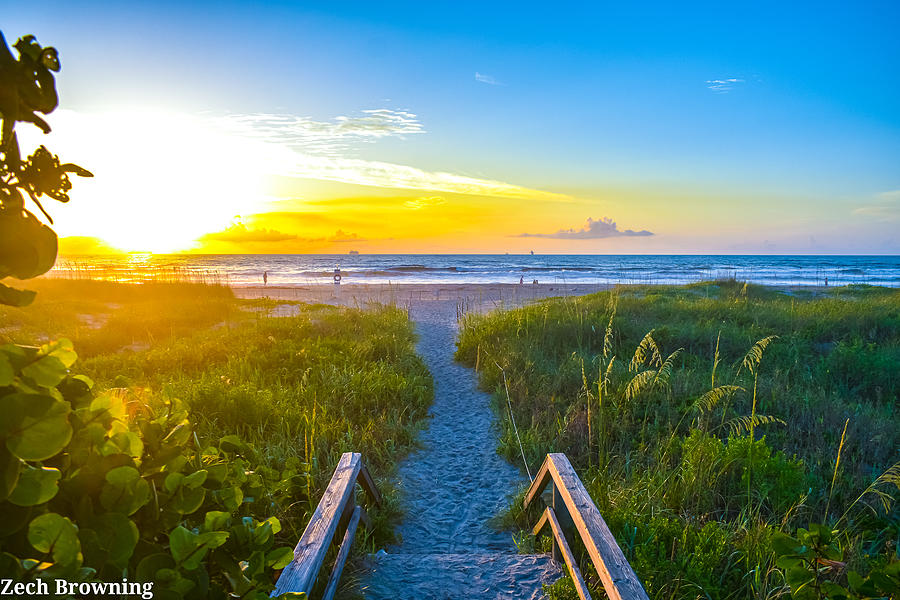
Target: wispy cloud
x: 390, y: 175
x: 328, y: 138
x: 723, y: 86
x: 299, y: 147
x: 488, y: 79
x: 886, y: 207
x: 603, y: 227
x: 424, y: 202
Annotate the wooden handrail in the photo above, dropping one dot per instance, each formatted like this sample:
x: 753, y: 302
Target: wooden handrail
x: 337, y: 509
x: 572, y: 502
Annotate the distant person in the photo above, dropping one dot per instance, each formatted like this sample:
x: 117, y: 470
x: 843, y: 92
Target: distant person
x: 826, y: 282
x: 521, y: 280
x: 265, y: 277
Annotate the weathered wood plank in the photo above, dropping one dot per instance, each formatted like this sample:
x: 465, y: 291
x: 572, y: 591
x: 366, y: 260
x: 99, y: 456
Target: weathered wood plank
x: 300, y: 574
x: 342, y: 555
x: 540, y: 481
x: 368, y: 484
x: 549, y: 516
x: 617, y: 576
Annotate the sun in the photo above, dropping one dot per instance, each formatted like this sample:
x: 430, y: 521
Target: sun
x: 161, y: 180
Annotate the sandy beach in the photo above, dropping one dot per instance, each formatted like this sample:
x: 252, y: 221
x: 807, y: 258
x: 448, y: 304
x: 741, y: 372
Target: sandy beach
x: 468, y: 296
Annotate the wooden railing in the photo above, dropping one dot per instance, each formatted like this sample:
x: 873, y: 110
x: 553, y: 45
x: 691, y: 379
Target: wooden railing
x: 572, y: 508
x: 336, y: 512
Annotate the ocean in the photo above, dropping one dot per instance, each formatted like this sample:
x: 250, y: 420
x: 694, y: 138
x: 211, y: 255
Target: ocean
x: 309, y: 269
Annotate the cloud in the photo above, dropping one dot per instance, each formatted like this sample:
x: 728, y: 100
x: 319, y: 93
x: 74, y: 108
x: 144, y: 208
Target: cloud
x: 392, y: 175
x: 887, y: 208
x: 297, y: 147
x: 240, y: 234
x: 483, y: 78
x: 424, y: 202
x: 723, y: 86
x: 603, y: 227
x: 328, y: 138
x: 341, y: 236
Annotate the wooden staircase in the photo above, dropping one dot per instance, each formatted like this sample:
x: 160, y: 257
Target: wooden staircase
x: 569, y: 511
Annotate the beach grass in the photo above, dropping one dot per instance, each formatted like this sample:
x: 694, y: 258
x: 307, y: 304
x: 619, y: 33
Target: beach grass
x: 706, y: 418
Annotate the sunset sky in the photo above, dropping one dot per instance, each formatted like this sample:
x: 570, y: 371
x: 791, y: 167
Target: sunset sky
x: 475, y: 127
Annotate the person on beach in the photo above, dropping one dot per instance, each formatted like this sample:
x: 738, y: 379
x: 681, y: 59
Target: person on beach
x: 521, y: 280
x: 265, y: 277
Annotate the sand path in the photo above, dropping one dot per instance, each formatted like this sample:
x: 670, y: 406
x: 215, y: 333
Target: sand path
x: 452, y: 488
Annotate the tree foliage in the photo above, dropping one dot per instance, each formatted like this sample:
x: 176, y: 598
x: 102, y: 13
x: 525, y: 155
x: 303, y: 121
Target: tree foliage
x: 28, y: 247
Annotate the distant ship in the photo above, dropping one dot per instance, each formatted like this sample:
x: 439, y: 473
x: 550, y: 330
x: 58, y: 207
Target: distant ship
x: 354, y: 252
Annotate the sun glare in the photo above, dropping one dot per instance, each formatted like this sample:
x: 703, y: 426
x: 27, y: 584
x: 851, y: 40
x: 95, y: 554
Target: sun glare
x: 162, y: 180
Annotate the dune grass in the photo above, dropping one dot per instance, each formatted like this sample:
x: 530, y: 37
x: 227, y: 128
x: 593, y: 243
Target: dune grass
x: 300, y: 389
x: 722, y: 426
x: 104, y: 317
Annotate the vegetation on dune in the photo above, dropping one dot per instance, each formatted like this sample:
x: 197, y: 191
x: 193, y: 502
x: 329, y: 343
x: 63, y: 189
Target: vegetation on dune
x: 711, y: 443
x: 304, y: 388
x: 208, y: 447
x: 102, y: 317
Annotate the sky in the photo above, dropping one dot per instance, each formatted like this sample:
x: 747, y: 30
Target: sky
x: 700, y: 128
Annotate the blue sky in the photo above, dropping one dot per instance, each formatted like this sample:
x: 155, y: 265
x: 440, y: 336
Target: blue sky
x: 749, y: 127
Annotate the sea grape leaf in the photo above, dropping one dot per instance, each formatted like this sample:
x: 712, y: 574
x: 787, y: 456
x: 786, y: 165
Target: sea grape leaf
x: 279, y: 558
x: 36, y: 485
x: 230, y: 498
x: 182, y: 543
x: 124, y: 491
x: 11, y: 296
x: 110, y: 404
x: 189, y: 548
x: 215, y: 520
x: 10, y: 466
x: 53, y: 363
x: 195, y: 479
x: 56, y: 535
x: 118, y: 536
x: 7, y: 374
x: 122, y: 476
x: 47, y: 371
x: 18, y: 356
x: 232, y: 443
x: 186, y: 500
x: 37, y: 426
x: 151, y: 565
x: 128, y: 442
x: 10, y: 566
x: 27, y: 247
